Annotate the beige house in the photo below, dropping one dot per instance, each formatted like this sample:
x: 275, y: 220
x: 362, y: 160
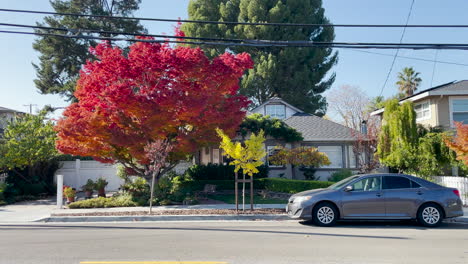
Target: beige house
x: 440, y: 106
x: 335, y: 140
x: 6, y: 115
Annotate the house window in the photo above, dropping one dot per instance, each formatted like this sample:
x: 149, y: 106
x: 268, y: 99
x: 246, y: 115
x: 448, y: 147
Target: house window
x: 352, y: 157
x: 423, y: 111
x: 276, y: 111
x: 216, y: 156
x: 271, y: 150
x: 460, y: 110
x: 335, y: 155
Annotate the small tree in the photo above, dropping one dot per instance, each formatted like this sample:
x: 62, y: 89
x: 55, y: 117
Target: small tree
x: 27, y: 142
x: 301, y: 156
x: 246, y: 158
x: 459, y: 143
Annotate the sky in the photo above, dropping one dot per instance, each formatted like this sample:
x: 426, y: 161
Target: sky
x: 356, y: 68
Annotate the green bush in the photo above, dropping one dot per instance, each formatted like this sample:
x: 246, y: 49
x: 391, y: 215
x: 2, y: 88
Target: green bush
x: 292, y: 186
x: 3, y: 187
x: 174, y: 187
x: 137, y: 187
x: 340, y: 175
x: 224, y: 184
x: 124, y: 200
x: 220, y: 172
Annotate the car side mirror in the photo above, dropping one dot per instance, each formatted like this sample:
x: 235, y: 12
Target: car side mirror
x: 348, y: 188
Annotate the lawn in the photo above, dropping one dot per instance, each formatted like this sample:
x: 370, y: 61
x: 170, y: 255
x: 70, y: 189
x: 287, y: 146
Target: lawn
x: 230, y: 199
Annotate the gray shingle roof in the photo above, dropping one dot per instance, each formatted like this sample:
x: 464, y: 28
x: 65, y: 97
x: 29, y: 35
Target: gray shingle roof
x: 4, y: 109
x: 314, y: 128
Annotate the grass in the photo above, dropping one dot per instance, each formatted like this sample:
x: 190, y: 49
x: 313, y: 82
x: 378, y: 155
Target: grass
x: 230, y: 199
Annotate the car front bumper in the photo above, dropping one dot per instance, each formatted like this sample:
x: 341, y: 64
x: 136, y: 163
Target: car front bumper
x: 298, y: 211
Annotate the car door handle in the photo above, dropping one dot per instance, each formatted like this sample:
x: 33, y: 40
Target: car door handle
x: 419, y: 192
x: 378, y: 194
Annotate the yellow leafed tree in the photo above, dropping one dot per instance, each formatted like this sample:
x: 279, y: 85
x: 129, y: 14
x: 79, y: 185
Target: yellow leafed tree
x: 246, y: 157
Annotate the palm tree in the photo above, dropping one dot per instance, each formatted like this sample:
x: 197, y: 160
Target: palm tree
x: 408, y: 81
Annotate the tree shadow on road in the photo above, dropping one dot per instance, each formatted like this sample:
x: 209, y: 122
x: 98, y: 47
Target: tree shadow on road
x: 238, y: 230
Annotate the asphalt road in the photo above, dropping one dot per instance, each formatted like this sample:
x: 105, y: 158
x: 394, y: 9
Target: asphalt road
x: 233, y: 242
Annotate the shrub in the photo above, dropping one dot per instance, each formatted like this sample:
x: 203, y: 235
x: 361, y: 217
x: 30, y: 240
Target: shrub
x: 124, y: 200
x: 292, y: 186
x: 101, y: 183
x: 173, y: 187
x: 340, y: 175
x: 3, y: 188
x: 69, y: 192
x: 89, y: 186
x: 220, y: 172
x: 137, y: 187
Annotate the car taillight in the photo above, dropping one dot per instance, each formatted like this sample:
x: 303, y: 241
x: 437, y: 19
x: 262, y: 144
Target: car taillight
x: 456, y: 192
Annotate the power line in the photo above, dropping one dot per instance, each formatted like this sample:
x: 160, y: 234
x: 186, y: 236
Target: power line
x: 235, y: 42
x: 398, y: 49
x: 411, y: 58
x: 234, y: 23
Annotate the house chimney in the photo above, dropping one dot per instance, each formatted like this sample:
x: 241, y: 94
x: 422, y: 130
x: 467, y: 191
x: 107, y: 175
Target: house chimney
x: 364, y: 127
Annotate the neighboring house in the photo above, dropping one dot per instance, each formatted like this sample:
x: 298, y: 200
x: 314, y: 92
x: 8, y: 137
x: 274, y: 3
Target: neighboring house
x: 440, y: 106
x: 6, y: 115
x: 331, y: 138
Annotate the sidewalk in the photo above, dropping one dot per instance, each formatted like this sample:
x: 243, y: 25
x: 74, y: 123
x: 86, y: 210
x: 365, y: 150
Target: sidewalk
x: 27, y: 211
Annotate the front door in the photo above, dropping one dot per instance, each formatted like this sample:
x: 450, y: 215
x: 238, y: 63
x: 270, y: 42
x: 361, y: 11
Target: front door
x: 365, y: 200
x: 402, y: 196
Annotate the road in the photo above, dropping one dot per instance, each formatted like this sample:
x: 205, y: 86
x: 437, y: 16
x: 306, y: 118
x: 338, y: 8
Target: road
x: 233, y: 243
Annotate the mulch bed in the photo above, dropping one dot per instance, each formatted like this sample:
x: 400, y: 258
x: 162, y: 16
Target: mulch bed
x: 181, y: 212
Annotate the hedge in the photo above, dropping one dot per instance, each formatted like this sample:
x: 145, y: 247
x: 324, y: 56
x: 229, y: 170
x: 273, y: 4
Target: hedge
x: 270, y: 184
x: 292, y: 186
x: 219, y: 172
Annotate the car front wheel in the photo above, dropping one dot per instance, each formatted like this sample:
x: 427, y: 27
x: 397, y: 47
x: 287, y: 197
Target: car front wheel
x: 430, y: 215
x: 325, y: 214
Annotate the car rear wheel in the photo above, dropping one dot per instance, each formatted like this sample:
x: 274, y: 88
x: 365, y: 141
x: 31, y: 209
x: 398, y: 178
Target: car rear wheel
x: 430, y: 215
x: 325, y: 214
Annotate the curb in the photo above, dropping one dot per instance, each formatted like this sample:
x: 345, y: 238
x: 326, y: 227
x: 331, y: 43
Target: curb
x: 157, y: 218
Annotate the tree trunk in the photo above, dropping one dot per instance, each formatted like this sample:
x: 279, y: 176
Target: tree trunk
x: 243, y: 192
x: 153, y: 182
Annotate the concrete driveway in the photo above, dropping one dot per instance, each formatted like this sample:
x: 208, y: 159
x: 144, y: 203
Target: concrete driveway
x: 27, y: 211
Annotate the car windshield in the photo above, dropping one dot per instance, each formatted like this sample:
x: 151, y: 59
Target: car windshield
x: 343, y: 182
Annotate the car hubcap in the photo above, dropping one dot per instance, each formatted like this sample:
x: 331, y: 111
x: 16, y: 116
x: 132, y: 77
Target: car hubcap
x: 325, y: 215
x: 431, y: 215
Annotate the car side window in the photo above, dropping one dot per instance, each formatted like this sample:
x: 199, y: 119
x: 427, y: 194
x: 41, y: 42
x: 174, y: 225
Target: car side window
x: 367, y: 185
x: 415, y: 184
x: 395, y: 182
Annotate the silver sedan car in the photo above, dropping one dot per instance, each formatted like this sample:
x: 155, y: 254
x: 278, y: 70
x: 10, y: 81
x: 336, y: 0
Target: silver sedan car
x: 377, y: 196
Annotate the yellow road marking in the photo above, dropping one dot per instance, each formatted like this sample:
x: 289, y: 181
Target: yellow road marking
x: 153, y: 262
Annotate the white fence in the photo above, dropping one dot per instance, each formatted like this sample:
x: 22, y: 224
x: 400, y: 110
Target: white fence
x: 76, y: 173
x: 461, y: 183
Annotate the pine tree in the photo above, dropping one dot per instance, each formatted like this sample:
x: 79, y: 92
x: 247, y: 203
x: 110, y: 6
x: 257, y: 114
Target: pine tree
x: 61, y: 58
x: 298, y: 75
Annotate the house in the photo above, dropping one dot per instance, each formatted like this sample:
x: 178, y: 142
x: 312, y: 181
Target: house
x: 331, y: 138
x: 6, y: 115
x: 439, y: 106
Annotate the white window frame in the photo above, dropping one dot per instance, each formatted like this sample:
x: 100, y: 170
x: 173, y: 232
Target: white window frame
x: 269, y: 148
x: 428, y: 102
x: 451, y: 99
x: 343, y: 162
x: 276, y: 110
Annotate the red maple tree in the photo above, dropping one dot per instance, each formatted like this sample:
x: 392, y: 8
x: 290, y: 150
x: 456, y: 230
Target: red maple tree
x: 459, y: 143
x: 155, y: 93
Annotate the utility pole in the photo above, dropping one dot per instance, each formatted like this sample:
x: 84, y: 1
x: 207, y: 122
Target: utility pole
x: 30, y: 107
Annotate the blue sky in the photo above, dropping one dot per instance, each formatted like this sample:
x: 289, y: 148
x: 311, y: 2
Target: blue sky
x: 368, y: 71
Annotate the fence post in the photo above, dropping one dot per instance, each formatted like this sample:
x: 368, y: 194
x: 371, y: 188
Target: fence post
x: 77, y: 171
x: 59, y: 191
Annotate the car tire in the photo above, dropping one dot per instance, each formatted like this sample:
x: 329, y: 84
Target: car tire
x: 430, y: 215
x: 325, y: 214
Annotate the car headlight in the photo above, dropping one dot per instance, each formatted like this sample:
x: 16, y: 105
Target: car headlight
x: 301, y: 199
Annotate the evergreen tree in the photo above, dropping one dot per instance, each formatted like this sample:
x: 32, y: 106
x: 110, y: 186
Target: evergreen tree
x: 61, y: 58
x: 298, y: 75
